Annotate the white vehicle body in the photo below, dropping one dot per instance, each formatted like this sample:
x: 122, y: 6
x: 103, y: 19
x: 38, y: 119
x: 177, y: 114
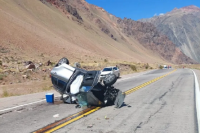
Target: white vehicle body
x: 164, y: 66
x: 110, y: 70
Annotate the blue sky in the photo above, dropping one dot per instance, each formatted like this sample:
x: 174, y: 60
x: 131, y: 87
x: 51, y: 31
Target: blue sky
x: 137, y: 9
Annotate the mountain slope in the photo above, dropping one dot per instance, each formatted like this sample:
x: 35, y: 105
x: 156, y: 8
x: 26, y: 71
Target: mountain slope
x: 82, y: 32
x: 182, y: 26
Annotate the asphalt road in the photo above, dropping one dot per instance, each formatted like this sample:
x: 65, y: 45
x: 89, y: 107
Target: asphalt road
x: 165, y: 106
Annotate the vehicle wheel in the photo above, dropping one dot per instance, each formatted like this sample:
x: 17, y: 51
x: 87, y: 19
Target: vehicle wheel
x: 109, y: 79
x: 63, y: 61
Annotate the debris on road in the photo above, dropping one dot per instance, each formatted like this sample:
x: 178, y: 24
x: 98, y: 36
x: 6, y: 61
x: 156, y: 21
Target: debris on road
x: 56, y: 115
x: 90, y: 126
x: 106, y: 118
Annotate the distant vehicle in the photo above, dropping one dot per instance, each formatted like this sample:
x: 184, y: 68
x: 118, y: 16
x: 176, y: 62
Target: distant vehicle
x: 164, y: 66
x: 167, y: 66
x: 110, y: 70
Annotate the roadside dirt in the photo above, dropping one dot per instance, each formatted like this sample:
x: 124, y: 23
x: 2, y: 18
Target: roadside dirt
x: 13, y: 83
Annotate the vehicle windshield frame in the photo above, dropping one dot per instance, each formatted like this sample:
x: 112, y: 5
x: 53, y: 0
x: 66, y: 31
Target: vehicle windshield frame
x: 107, y: 69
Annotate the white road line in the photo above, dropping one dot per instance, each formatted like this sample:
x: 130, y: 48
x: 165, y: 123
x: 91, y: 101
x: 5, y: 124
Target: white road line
x: 7, y: 109
x: 197, y: 99
x: 21, y: 105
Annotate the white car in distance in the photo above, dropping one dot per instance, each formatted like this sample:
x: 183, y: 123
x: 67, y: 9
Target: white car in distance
x: 110, y: 70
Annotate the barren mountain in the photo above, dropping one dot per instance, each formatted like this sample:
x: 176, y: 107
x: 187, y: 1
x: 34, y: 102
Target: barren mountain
x: 182, y: 27
x: 39, y: 29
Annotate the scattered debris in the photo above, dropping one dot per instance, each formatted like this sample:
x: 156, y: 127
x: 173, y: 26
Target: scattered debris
x: 78, y: 65
x: 27, y: 63
x: 24, y: 76
x: 44, y: 70
x: 56, y: 115
x: 90, y: 126
x: 78, y: 106
x: 106, y: 118
x: 5, y: 65
x: 29, y: 70
x: 30, y: 66
x: 38, y: 65
x: 48, y: 63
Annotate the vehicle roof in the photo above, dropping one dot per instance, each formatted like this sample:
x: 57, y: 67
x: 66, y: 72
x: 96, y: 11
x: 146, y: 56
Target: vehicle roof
x: 109, y: 66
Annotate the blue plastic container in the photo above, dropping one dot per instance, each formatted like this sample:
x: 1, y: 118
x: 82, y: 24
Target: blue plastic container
x: 50, y: 97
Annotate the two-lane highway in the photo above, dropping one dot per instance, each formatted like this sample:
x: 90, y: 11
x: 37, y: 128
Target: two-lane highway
x: 166, y: 105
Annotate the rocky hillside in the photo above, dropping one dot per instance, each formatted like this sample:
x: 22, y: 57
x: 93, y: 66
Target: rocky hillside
x: 151, y: 39
x: 182, y: 27
x: 118, y: 29
x: 50, y: 29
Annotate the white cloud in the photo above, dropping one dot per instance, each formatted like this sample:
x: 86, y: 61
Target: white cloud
x: 161, y: 14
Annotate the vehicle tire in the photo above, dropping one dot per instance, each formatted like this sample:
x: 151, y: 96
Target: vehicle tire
x: 109, y: 79
x: 63, y: 61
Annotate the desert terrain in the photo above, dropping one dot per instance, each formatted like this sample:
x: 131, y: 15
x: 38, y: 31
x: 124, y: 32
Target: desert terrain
x: 40, y: 32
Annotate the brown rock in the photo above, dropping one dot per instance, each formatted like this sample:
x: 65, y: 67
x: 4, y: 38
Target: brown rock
x: 30, y: 66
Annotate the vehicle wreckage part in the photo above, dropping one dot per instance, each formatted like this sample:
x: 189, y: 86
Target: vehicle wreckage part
x: 74, y: 87
x: 66, y: 121
x: 60, y: 82
x: 66, y: 98
x: 119, y: 99
x: 110, y: 96
x: 63, y: 61
x: 109, y: 79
